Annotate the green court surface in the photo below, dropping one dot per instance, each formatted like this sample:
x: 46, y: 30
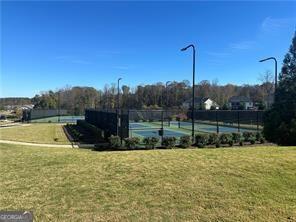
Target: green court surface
x: 58, y: 119
x: 176, y: 129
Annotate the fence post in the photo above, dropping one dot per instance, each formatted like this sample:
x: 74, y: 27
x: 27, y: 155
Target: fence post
x: 121, y: 127
x: 162, y: 131
x: 238, y: 123
x: 257, y: 116
x: 217, y: 122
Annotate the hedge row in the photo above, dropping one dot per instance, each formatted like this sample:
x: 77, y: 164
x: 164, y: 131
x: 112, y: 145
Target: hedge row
x: 201, y: 140
x: 228, y: 139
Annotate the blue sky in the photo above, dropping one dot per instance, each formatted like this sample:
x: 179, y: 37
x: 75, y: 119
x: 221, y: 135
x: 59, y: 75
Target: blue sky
x: 48, y: 45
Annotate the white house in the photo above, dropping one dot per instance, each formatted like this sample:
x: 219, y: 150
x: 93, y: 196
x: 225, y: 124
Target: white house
x: 200, y: 102
x: 240, y: 102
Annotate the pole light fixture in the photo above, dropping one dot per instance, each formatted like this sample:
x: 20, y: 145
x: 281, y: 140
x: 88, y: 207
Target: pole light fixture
x: 193, y: 86
x: 275, y: 69
x: 167, y: 94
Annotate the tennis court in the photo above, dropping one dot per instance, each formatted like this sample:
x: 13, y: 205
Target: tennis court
x: 209, y: 128
x: 57, y: 119
x: 176, y: 129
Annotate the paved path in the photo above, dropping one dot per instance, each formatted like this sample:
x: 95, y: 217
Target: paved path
x: 46, y: 145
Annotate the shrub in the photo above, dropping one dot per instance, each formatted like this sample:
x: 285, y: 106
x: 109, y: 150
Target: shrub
x: 131, y: 143
x: 236, y: 137
x: 185, y: 141
x: 217, y: 144
x: 249, y: 136
x: 213, y: 138
x: 169, y: 142
x: 252, y: 140
x: 201, y: 140
x: 241, y: 143
x: 150, y: 142
x: 259, y: 137
x: 226, y: 138
x: 230, y: 143
x: 114, y: 141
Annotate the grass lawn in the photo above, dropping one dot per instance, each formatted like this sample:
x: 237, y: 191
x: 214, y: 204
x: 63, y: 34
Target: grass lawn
x: 36, y: 133
x: 225, y: 184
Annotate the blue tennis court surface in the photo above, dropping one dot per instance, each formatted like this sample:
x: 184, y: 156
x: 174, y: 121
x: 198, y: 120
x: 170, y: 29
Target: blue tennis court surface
x: 136, y: 125
x: 154, y: 133
x: 207, y: 127
x: 149, y: 129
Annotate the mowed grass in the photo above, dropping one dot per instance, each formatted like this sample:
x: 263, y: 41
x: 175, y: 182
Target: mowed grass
x: 48, y: 133
x: 230, y: 184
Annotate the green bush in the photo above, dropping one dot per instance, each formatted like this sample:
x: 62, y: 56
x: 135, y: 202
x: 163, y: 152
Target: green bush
x: 185, y: 141
x: 131, y: 143
x: 150, y: 142
x: 201, y: 140
x: 114, y: 141
x: 248, y: 136
x: 236, y: 137
x: 226, y: 138
x: 217, y: 144
x: 169, y: 141
x: 213, y: 138
x: 260, y: 137
x: 252, y: 140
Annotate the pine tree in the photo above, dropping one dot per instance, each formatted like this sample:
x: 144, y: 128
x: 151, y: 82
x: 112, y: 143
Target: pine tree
x: 280, y: 120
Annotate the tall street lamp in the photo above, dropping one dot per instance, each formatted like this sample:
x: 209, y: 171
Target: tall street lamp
x: 275, y: 69
x: 167, y: 95
x: 118, y: 104
x: 193, y: 86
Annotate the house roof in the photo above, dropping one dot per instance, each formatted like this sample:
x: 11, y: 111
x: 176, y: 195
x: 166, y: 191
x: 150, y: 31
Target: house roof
x: 198, y: 100
x: 235, y: 99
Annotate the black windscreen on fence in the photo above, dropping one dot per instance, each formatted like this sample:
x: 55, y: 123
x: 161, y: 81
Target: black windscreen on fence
x: 147, y: 123
x: 107, y: 121
x: 32, y: 114
x: 230, y: 116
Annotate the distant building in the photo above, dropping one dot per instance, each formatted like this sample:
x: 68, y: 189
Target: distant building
x: 201, y: 103
x: 27, y: 107
x: 13, y: 107
x: 240, y: 103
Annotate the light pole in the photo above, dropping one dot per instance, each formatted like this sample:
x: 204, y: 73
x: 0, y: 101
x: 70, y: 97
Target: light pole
x: 118, y: 104
x: 275, y: 69
x: 166, y: 91
x: 193, y: 86
x: 59, y: 104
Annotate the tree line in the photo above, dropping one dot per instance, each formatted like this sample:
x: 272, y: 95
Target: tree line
x: 152, y: 96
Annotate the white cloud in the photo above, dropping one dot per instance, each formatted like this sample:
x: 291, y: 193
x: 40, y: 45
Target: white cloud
x: 243, y: 45
x: 275, y: 24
